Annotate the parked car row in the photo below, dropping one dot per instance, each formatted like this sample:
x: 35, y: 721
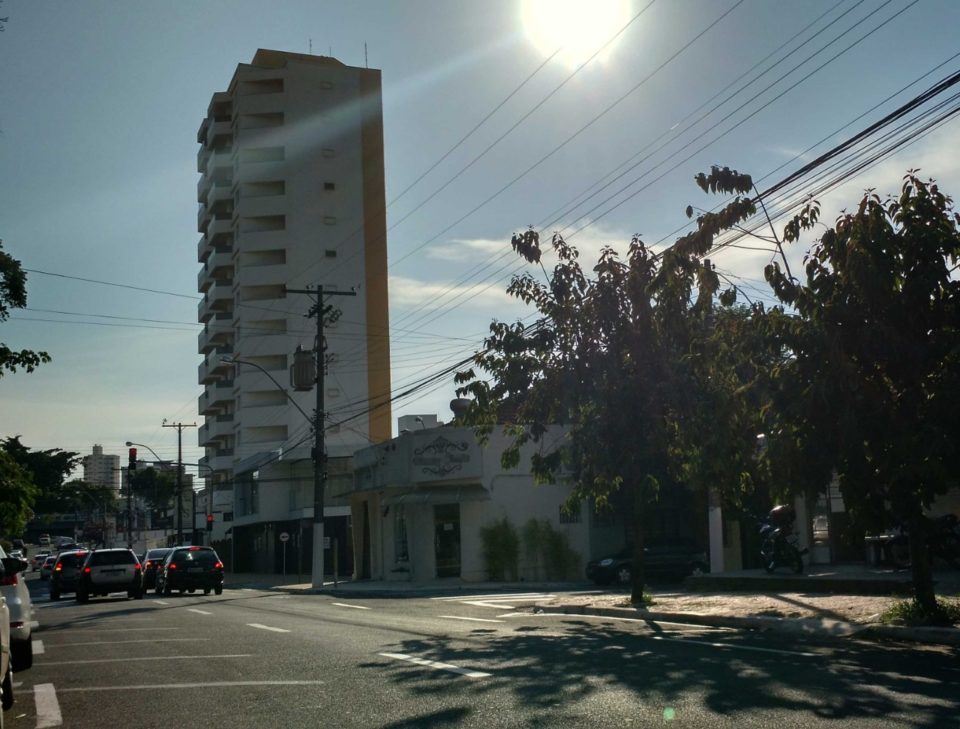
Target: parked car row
x: 16, y: 623
x: 100, y: 572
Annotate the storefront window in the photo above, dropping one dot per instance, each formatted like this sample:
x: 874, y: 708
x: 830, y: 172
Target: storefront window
x: 400, y: 535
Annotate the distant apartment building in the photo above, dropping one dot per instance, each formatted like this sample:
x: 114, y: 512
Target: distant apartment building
x: 102, y: 469
x: 291, y: 196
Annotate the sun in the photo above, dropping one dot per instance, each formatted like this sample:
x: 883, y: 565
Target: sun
x: 577, y: 27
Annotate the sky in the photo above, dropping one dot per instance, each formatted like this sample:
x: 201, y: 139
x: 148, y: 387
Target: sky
x: 497, y: 117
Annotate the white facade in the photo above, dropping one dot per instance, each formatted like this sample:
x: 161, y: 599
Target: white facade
x: 291, y: 196
x: 102, y: 469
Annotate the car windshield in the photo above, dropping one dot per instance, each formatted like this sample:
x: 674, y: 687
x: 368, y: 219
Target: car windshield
x: 71, y: 560
x: 204, y: 557
x: 157, y: 554
x: 99, y: 559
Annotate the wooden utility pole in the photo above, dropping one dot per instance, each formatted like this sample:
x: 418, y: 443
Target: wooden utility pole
x: 179, y: 427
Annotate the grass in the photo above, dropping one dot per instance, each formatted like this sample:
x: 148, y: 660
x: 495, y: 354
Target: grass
x: 910, y: 612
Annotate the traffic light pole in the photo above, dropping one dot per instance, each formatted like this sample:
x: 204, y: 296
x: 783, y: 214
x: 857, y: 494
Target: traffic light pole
x: 319, y: 443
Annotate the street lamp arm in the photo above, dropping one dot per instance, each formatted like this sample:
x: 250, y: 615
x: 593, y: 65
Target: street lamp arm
x: 141, y: 445
x: 237, y: 360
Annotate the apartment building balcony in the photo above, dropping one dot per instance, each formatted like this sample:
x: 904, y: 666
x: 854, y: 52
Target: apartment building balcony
x: 214, y: 334
x: 221, y: 224
x: 221, y: 131
x: 219, y: 191
x: 217, y: 267
x: 267, y: 240
x: 259, y: 171
x: 265, y: 416
x: 268, y: 275
x: 260, y: 103
x: 220, y: 459
x: 213, y: 367
x: 219, y: 299
x: 216, y: 431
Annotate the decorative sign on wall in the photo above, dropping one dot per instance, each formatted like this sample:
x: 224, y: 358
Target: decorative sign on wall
x: 442, y: 456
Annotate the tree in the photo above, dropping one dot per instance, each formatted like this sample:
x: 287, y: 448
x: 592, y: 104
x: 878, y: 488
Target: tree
x: 622, y: 360
x: 48, y: 470
x: 13, y: 295
x: 17, y: 494
x: 157, y: 488
x: 871, y: 387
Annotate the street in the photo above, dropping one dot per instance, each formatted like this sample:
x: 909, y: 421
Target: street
x: 257, y: 658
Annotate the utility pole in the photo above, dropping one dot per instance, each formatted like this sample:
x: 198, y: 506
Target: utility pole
x: 179, y: 427
x: 319, y: 444
x: 131, y: 474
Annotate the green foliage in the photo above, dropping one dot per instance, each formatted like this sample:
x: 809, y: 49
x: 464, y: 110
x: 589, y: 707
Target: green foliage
x: 549, y: 549
x: 157, y: 488
x: 622, y: 356
x: 914, y: 613
x: 13, y: 295
x: 47, y: 471
x: 17, y: 494
x: 501, y: 550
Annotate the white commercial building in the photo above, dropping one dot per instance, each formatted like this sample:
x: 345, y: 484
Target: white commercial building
x: 291, y: 196
x: 102, y: 469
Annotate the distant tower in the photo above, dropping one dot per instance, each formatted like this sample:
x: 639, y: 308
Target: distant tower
x: 102, y: 470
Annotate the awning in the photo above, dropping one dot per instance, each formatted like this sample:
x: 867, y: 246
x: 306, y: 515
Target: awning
x: 438, y: 496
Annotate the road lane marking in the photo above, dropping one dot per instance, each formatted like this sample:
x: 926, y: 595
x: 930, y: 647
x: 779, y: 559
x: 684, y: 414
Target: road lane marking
x: 757, y: 649
x: 143, y: 658
x: 436, y: 664
x: 161, y: 602
x: 347, y: 605
x: 475, y: 620
x: 124, y: 642
x: 175, y: 686
x: 83, y: 629
x: 267, y: 627
x: 199, y: 612
x: 37, y: 647
x: 494, y: 596
x: 48, y: 708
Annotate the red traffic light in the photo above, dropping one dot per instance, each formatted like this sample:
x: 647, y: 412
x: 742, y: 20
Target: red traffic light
x: 133, y: 457
x: 209, y: 522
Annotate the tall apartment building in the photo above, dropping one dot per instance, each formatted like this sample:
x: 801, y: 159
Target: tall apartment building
x: 291, y: 196
x: 102, y: 469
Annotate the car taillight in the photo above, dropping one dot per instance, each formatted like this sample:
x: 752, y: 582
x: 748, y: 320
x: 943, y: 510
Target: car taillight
x: 146, y: 565
x: 17, y: 624
x: 218, y: 566
x: 9, y: 580
x: 58, y: 568
x: 171, y: 566
x: 136, y: 567
x: 87, y: 570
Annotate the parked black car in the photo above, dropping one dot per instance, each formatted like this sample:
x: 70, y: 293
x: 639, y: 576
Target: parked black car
x: 110, y: 570
x: 151, y: 562
x: 66, y: 573
x: 189, y: 569
x: 663, y: 559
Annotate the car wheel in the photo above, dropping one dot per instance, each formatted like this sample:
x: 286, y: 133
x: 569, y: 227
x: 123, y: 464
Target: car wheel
x: 623, y: 575
x: 7, y: 688
x: 218, y: 590
x: 206, y: 590
x: 21, y: 652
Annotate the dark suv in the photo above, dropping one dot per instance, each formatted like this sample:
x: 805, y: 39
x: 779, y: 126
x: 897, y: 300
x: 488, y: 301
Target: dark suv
x: 151, y: 564
x: 190, y: 568
x: 110, y: 570
x: 66, y: 573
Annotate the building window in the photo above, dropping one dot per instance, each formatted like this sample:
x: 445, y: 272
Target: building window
x: 571, y: 516
x: 329, y: 186
x: 401, y: 554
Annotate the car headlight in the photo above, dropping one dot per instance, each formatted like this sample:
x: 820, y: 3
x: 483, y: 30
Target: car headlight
x: 606, y: 562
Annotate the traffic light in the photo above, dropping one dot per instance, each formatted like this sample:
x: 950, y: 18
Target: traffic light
x: 133, y: 458
x: 209, y: 522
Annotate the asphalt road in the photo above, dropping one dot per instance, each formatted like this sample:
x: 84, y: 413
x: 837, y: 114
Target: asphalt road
x: 262, y: 659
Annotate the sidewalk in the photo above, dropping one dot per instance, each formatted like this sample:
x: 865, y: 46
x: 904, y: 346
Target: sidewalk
x: 831, y: 603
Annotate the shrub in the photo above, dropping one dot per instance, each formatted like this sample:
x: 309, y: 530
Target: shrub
x: 501, y: 550
x: 549, y: 547
x: 911, y: 612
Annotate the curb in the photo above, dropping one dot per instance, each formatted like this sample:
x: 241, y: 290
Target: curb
x: 809, y: 627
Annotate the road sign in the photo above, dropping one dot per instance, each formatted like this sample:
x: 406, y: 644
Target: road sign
x: 284, y: 537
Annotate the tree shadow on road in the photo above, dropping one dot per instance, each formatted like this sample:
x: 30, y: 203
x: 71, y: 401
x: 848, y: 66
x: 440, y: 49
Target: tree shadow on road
x: 583, y: 666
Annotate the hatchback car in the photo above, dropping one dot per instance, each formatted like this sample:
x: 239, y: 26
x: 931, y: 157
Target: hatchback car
x: 190, y: 568
x: 151, y: 562
x: 66, y: 573
x: 14, y: 589
x: 46, y: 569
x: 36, y: 561
x: 663, y: 559
x: 110, y: 570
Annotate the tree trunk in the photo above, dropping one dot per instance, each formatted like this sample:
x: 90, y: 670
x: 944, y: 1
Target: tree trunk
x: 637, y: 573
x: 922, y: 573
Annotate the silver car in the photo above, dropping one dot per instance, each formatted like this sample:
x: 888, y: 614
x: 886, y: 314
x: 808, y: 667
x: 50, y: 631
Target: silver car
x: 13, y: 587
x: 110, y: 570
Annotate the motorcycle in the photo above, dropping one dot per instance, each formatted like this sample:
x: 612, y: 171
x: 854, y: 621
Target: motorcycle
x: 778, y: 546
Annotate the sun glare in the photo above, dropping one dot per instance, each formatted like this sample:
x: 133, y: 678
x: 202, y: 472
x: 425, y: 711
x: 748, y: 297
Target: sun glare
x: 577, y: 27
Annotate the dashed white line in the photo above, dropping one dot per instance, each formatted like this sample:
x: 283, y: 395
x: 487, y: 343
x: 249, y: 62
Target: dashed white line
x: 161, y: 602
x: 37, y: 647
x: 347, y: 605
x: 199, y: 612
x: 757, y: 649
x: 267, y: 627
x: 474, y: 620
x: 48, y: 708
x: 124, y: 642
x: 436, y: 664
